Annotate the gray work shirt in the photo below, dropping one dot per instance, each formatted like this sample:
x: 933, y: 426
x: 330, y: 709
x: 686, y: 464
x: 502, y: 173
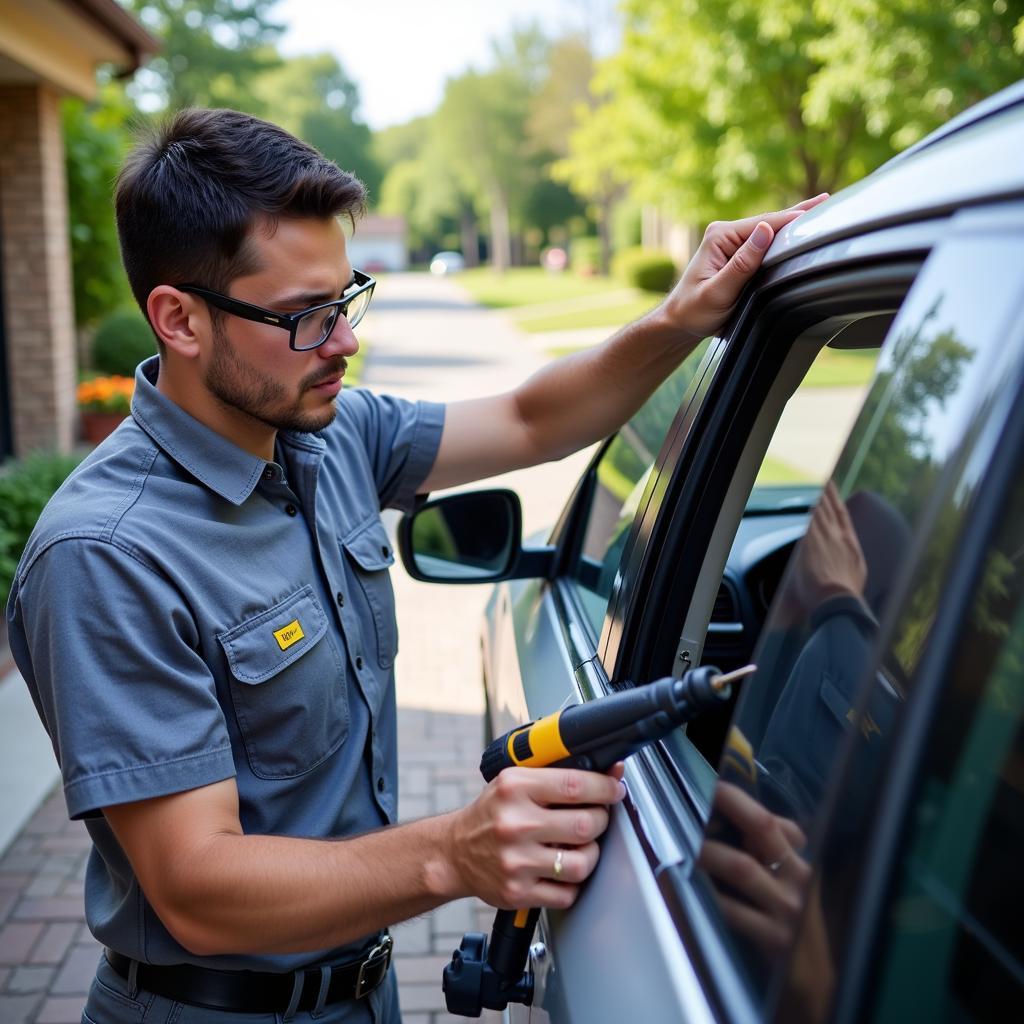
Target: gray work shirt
x: 186, y: 612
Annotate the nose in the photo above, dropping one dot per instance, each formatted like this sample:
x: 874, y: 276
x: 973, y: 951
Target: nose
x: 342, y: 341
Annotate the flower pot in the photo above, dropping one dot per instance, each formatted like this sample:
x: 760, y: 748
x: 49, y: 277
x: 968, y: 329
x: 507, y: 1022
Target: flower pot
x: 98, y: 425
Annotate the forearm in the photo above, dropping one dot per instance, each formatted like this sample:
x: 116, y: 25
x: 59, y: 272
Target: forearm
x: 584, y: 397
x: 274, y: 894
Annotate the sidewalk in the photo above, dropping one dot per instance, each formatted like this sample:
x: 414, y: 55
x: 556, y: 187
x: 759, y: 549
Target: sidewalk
x: 428, y: 341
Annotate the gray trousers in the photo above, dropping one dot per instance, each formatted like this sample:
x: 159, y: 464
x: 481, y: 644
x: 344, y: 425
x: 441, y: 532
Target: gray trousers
x: 110, y: 1002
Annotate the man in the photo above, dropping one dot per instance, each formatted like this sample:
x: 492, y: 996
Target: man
x: 204, y: 616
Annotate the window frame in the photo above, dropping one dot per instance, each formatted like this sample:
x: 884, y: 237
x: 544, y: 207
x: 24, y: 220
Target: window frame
x: 686, y: 464
x: 570, y: 532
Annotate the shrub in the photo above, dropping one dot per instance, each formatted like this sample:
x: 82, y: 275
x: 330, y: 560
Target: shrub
x: 651, y: 270
x: 26, y: 485
x: 585, y: 255
x: 122, y: 341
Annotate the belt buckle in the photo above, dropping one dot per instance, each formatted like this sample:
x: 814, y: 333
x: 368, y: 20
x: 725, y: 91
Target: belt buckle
x: 382, y: 949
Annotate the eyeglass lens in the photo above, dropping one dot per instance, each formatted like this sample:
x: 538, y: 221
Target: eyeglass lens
x: 315, y: 328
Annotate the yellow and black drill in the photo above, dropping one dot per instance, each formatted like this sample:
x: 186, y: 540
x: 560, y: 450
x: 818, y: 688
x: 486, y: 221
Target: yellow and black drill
x: 593, y: 737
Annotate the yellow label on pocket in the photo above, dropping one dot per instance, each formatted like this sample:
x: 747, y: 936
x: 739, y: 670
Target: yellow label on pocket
x: 288, y: 635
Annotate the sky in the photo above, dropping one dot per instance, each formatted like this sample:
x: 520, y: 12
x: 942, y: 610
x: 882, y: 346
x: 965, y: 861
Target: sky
x: 399, y: 52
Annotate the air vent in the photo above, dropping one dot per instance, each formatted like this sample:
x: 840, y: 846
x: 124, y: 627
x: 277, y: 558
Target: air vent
x: 725, y: 605
x: 725, y: 616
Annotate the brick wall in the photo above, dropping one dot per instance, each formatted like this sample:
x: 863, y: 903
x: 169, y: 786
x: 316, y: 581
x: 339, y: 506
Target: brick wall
x: 37, y: 296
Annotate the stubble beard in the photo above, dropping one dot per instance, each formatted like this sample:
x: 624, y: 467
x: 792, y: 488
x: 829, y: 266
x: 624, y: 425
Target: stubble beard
x: 239, y: 386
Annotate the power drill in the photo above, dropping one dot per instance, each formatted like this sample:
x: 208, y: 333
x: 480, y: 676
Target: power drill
x: 593, y: 737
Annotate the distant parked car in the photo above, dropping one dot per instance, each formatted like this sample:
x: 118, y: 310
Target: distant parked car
x: 447, y: 263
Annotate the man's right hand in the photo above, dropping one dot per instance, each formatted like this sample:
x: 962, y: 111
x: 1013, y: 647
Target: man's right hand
x: 504, y: 844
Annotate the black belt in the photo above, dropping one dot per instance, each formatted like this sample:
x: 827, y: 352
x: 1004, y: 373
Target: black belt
x: 260, y: 991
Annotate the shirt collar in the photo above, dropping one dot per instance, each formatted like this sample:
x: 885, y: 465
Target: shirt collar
x: 221, y: 465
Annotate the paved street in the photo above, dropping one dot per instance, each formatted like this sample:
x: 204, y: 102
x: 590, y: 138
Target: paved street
x: 427, y: 341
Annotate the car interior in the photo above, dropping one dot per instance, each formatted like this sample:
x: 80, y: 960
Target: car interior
x: 760, y: 522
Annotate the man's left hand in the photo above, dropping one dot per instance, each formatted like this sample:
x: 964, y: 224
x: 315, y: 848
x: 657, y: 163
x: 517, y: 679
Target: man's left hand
x: 728, y: 256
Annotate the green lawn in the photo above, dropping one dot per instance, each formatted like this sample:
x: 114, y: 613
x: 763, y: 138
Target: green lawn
x: 525, y: 286
x: 837, y: 369
x: 775, y: 471
x: 596, y: 316
x: 355, y: 365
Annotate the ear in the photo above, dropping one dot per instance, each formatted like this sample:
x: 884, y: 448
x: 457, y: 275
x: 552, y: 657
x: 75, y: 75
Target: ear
x: 181, y: 321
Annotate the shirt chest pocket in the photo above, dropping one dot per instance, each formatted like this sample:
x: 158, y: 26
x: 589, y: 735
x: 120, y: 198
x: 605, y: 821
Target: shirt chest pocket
x: 369, y: 557
x: 287, y: 686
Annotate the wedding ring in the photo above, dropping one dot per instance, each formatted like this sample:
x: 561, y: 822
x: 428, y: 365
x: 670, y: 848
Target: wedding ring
x: 558, y: 864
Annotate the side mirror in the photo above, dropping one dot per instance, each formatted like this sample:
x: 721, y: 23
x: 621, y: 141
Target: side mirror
x: 474, y: 537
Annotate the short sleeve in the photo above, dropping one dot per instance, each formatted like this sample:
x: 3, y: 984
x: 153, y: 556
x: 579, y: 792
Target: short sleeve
x: 109, y: 649
x: 401, y: 438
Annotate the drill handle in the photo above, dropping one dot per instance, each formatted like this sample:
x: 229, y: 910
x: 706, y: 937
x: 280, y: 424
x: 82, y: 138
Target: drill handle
x: 509, y: 948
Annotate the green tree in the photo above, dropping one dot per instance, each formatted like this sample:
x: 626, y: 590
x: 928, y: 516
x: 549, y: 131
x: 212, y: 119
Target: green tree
x: 718, y: 107
x: 480, y: 125
x: 312, y: 97
x: 96, y: 138
x: 213, y: 53
x: 910, y: 65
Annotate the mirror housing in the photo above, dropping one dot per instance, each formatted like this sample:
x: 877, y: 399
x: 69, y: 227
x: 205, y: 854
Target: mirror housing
x: 473, y: 537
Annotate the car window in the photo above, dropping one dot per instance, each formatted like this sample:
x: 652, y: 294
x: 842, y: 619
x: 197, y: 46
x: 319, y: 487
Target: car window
x: 954, y: 947
x: 815, y: 423
x: 621, y: 476
x: 806, y: 419
x: 900, y: 495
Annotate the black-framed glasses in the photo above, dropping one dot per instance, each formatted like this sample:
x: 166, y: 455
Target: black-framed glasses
x: 309, y: 328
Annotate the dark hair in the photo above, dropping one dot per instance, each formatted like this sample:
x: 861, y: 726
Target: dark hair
x: 188, y: 196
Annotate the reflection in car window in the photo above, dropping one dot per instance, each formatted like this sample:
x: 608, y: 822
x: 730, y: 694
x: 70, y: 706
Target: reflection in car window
x: 622, y: 475
x: 955, y: 939
x: 901, y: 489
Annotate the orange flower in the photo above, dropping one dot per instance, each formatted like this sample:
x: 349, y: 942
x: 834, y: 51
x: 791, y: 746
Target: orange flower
x: 106, y: 394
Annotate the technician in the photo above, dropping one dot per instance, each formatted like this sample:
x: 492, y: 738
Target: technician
x: 204, y: 615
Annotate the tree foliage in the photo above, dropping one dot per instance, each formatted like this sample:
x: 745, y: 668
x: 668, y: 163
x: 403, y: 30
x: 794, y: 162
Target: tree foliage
x: 313, y: 98
x: 718, y: 107
x: 95, y: 141
x: 213, y: 53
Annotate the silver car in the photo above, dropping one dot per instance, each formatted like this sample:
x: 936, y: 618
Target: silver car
x: 830, y: 490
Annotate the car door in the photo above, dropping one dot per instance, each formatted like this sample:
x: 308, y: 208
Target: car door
x: 825, y: 690
x: 649, y: 856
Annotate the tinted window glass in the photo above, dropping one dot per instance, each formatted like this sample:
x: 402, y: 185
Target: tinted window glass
x: 955, y: 928
x: 900, y: 493
x: 622, y: 476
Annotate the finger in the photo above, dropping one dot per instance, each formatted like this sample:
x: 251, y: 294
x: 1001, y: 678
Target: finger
x: 793, y: 832
x: 762, y: 835
x: 617, y: 770
x: 547, y: 786
x: 729, y: 281
x: 771, y: 935
x: 809, y: 204
x: 553, y: 895
x: 740, y: 230
x: 572, y: 827
x: 744, y: 874
x: 574, y: 866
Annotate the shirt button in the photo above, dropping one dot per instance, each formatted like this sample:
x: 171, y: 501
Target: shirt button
x: 340, y: 598
x: 291, y: 510
x: 380, y: 784
x: 359, y: 664
x: 268, y: 473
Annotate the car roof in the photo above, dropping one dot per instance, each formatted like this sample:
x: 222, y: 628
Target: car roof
x: 974, y: 158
